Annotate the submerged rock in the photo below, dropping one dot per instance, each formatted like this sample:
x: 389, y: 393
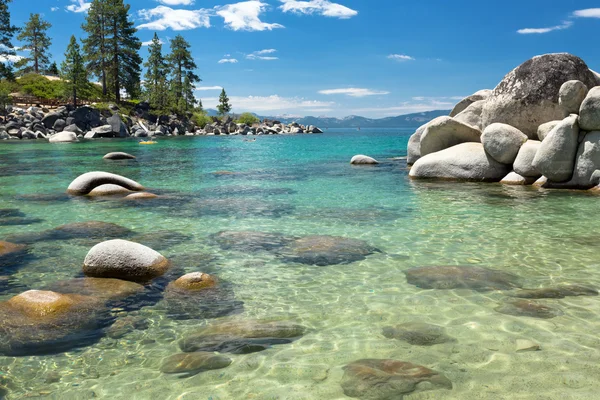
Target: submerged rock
x: 161, y: 239
x: 193, y: 362
x: 44, y: 322
x: 372, y: 379
x: 559, y: 292
x: 126, y: 260
x: 11, y: 213
x: 242, y: 337
x: 249, y: 241
x: 88, y: 181
x: 461, y: 277
x: 324, y: 250
x: 7, y: 248
x: 524, y: 345
x: 195, y: 281
x: 417, y: 333
x: 528, y: 308
x: 101, y: 288
x: 12, y: 255
x: 126, y: 325
x: 141, y: 196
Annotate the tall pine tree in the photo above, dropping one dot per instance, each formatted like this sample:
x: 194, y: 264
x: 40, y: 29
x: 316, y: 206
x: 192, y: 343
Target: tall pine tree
x: 7, y: 31
x: 95, y: 44
x: 37, y: 43
x: 183, y: 77
x: 155, y: 84
x: 224, y: 107
x: 73, y: 71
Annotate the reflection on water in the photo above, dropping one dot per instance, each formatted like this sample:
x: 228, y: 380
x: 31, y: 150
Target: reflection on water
x: 442, y: 277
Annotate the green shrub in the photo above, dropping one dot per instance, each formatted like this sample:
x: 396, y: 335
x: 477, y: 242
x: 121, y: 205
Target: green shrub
x: 200, y: 119
x: 40, y: 86
x: 248, y: 119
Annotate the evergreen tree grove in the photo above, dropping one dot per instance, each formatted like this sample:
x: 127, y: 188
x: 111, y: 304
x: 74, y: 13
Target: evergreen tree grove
x: 53, y: 69
x: 37, y: 42
x: 155, y: 85
x: 183, y: 77
x: 73, y: 70
x: 7, y: 32
x: 224, y: 107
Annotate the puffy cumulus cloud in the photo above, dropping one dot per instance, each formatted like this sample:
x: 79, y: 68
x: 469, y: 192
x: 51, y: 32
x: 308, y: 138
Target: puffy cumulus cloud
x: 529, y: 31
x: 400, y: 57
x: 206, y: 88
x: 228, y: 61
x: 587, y: 13
x: 10, y: 58
x: 176, y: 2
x: 321, y: 7
x: 354, y: 92
x: 79, y: 6
x: 274, y: 103
x: 262, y: 55
x: 163, y: 17
x: 244, y: 16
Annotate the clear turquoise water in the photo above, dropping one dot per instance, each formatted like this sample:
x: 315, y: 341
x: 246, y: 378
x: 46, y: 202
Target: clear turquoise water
x: 304, y: 185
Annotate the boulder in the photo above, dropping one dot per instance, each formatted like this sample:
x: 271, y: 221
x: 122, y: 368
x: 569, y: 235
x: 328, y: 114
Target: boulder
x: 118, y: 156
x: 502, y: 142
x: 7, y: 248
x: 249, y: 241
x: 363, y: 160
x: 523, y: 164
x: 571, y: 95
x: 86, y: 118
x: 468, y: 101
x: 27, y: 134
x: 587, y: 162
x: 59, y: 125
x: 444, y: 132
x: 119, y: 129
x: 193, y: 362
x: 104, y: 131
x: 515, y: 179
x: 101, y: 288
x: 325, y: 250
x: 50, y: 118
x: 528, y: 96
x: 109, y: 190
x: 63, y: 137
x: 528, y: 308
x: 459, y: 277
x: 414, y: 146
x: 417, y: 333
x: 195, y: 281
x: 373, y: 379
x: 87, y: 182
x: 555, y: 158
x: 73, y: 128
x: 141, y: 196
x: 464, y: 162
x: 126, y: 260
x: 545, y: 129
x: 472, y: 115
x: 589, y: 113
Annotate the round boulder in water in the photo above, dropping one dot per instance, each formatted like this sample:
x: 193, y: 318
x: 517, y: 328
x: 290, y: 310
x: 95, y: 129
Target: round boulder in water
x: 109, y: 190
x: 374, y: 379
x: 141, y: 196
x: 459, y: 277
x: 326, y: 250
x: 118, y: 156
x: 101, y: 288
x: 7, y: 248
x: 122, y: 259
x: 195, y: 281
x: 88, y: 181
x: 363, y: 160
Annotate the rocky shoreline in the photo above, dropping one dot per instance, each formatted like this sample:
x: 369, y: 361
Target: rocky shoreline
x: 67, y: 124
x: 540, y: 126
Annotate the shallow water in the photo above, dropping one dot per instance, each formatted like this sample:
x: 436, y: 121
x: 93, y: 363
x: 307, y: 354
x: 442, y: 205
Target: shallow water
x: 299, y: 186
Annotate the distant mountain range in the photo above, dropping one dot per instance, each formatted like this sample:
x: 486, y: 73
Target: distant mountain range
x: 354, y: 121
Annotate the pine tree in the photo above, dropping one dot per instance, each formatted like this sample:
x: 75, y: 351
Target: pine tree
x: 95, y: 44
x: 224, y: 107
x: 183, y: 78
x: 7, y: 32
x: 53, y: 69
x: 73, y: 70
x: 37, y: 43
x: 156, y: 76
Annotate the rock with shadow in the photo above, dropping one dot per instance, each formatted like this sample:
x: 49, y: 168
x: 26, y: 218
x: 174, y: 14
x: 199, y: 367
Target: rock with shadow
x: 324, y: 250
x: 528, y: 308
x: 193, y: 363
x: 90, y: 230
x: 249, y: 241
x: 417, y: 333
x: 462, y: 277
x: 558, y: 292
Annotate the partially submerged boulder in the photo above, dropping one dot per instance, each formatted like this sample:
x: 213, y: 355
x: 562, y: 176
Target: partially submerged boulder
x: 195, y: 281
x: 515, y: 179
x: 325, y: 250
x: 126, y: 260
x: 555, y: 158
x: 528, y: 96
x: 417, y: 333
x: 118, y: 156
x: 363, y: 160
x: 589, y: 114
x: 463, y: 162
x: 445, y: 132
x: 109, y: 190
x: 502, y: 142
x: 101, y: 288
x: 85, y: 183
x: 63, y: 137
x: 459, y: 277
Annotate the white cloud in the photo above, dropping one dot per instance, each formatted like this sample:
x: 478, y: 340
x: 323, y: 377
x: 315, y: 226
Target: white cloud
x: 261, y: 55
x: 79, y: 6
x: 266, y: 104
x: 228, y: 61
x: 204, y: 88
x: 10, y: 58
x: 419, y: 104
x: 149, y: 42
x: 54, y: 9
x: 588, y: 13
x: 322, y: 7
x: 176, y: 2
x: 244, y: 16
x: 353, y: 92
x: 400, y: 57
x: 529, y: 31
x: 163, y: 17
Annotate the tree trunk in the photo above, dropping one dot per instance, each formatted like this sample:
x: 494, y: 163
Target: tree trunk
x: 116, y: 62
x: 75, y: 96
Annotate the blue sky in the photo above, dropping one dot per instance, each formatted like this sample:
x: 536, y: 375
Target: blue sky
x: 374, y: 58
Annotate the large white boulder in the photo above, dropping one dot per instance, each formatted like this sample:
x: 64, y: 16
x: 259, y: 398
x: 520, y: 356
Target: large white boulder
x: 545, y: 129
x: 515, y: 179
x: 363, y: 160
x: 126, y: 260
x: 587, y: 164
x: 87, y: 182
x: 528, y: 96
x: 465, y: 162
x: 523, y: 164
x: 571, y: 95
x: 472, y: 115
x: 555, y: 158
x: 467, y: 101
x: 63, y: 137
x: 589, y: 113
x: 414, y: 146
x: 445, y: 132
x: 502, y: 142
